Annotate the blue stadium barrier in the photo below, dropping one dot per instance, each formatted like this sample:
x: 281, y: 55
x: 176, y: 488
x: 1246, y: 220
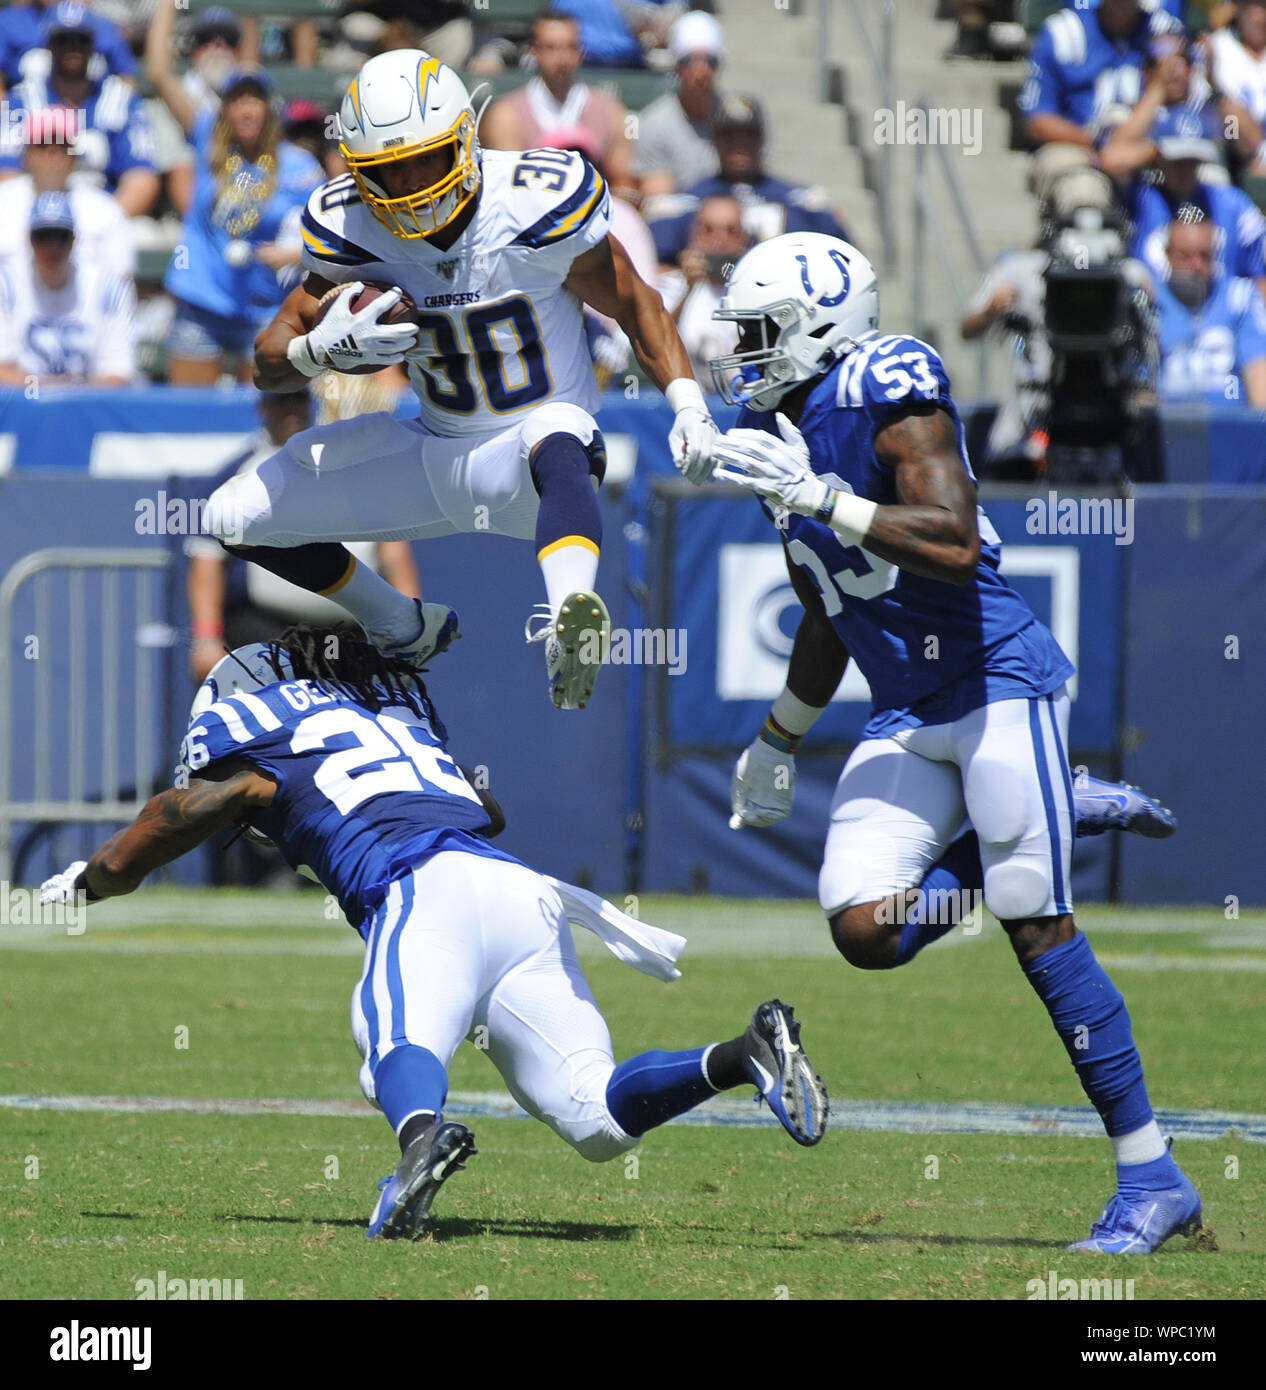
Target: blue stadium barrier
x: 634, y: 792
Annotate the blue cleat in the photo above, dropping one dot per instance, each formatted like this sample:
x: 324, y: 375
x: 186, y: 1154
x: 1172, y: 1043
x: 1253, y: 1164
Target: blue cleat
x: 404, y: 1199
x: 1101, y: 806
x: 784, y: 1075
x: 1144, y: 1221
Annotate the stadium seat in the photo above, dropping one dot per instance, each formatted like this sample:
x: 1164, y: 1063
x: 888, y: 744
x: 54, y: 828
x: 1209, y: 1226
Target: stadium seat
x: 151, y: 265
x: 1034, y: 13
x: 1255, y: 186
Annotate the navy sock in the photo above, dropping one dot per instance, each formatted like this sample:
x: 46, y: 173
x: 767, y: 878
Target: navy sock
x: 409, y: 1079
x: 654, y: 1086
x: 569, y: 505
x: 318, y: 566
x: 929, y: 918
x: 1090, y: 1017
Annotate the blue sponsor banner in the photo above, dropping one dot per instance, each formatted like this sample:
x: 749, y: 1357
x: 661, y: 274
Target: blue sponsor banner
x: 728, y: 588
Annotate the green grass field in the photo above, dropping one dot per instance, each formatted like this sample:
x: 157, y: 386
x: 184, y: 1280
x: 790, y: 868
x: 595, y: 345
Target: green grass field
x: 280, y: 1200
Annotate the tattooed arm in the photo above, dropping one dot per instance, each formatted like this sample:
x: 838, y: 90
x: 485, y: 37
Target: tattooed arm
x: 174, y: 822
x: 932, y: 532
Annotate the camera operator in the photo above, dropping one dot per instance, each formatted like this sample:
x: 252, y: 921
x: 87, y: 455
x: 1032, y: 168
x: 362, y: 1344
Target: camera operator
x: 1082, y: 358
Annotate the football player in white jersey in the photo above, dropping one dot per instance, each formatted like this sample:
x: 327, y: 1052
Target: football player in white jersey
x: 498, y: 250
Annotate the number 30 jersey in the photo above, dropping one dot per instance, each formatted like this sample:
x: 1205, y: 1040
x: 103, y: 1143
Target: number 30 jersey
x: 931, y: 651
x: 361, y: 796
x: 500, y: 335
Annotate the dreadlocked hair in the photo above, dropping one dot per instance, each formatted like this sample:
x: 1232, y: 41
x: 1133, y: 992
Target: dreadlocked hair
x: 339, y: 660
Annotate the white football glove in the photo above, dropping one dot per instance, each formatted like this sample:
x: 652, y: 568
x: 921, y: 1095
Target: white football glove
x: 764, y: 786
x: 343, y: 339
x: 61, y: 887
x: 776, y: 468
x: 692, y: 440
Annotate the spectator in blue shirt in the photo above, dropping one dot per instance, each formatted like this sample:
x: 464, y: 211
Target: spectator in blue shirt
x: 22, y: 52
x: 604, y: 33
x: 1236, y: 224
x: 1212, y: 329
x: 240, y: 244
x: 1085, y: 72
x: 115, y: 144
x: 770, y: 206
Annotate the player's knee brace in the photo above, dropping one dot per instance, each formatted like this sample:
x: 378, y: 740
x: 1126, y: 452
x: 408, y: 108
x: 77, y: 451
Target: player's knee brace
x: 567, y: 422
x: 1016, y: 892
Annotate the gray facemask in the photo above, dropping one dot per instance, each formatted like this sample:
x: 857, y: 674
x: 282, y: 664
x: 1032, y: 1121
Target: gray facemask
x: 1188, y: 288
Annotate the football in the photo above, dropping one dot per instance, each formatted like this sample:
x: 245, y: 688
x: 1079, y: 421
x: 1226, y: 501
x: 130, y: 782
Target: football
x: 406, y: 311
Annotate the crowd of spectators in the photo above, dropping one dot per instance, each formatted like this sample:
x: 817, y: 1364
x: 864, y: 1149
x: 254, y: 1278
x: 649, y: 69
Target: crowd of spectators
x: 1148, y: 134
x: 165, y: 131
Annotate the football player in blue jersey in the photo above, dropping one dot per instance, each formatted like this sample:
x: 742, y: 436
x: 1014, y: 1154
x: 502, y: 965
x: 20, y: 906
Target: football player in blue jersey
x: 960, y: 782
x: 334, y: 752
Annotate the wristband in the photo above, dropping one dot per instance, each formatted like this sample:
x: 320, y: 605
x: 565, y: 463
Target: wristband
x: 81, y: 886
x: 778, y: 738
x: 209, y: 628
x: 794, y: 716
x: 851, y: 517
x: 299, y: 355
x: 823, y: 513
x: 684, y: 394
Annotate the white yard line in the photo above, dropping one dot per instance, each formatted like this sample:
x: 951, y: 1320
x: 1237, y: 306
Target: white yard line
x: 894, y: 1116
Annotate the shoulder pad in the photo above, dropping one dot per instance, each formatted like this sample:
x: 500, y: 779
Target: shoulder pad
x: 890, y: 370
x: 323, y: 223
x: 1067, y: 36
x: 552, y: 194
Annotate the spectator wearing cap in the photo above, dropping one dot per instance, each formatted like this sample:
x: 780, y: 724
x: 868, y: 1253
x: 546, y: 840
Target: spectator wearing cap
x: 240, y: 243
x: 114, y: 144
x: 1212, y: 327
x: 1237, y: 226
x: 307, y: 124
x: 770, y: 206
x: 717, y: 240
x: 1085, y: 72
x: 23, y: 53
x: 1238, y: 59
x: 1177, y: 101
x: 64, y: 322
x: 103, y: 236
x: 553, y: 99
x: 672, y: 147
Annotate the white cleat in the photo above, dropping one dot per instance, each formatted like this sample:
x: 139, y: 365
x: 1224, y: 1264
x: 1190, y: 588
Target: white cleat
x: 577, y: 644
x: 439, y: 630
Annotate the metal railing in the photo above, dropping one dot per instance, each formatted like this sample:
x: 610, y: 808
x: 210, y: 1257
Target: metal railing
x: 87, y: 713
x: 880, y: 54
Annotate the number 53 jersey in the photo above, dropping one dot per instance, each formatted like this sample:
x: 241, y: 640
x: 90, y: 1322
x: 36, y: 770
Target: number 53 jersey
x: 500, y: 335
x: 362, y: 796
x: 931, y: 651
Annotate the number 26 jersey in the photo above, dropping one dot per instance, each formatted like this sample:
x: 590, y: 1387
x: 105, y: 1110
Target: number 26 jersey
x: 362, y: 796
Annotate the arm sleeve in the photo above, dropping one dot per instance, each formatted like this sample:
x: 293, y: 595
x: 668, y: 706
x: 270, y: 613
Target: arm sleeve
x: 116, y: 351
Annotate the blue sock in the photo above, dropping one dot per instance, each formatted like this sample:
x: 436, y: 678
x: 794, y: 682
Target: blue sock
x: 569, y: 505
x: 654, y: 1086
x: 1160, y: 1172
x: 1090, y: 1017
x: 957, y: 870
x: 409, y: 1079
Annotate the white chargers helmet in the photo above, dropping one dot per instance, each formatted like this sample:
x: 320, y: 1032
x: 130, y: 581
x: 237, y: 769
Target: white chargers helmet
x: 241, y: 672
x: 401, y: 104
x: 801, y: 301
